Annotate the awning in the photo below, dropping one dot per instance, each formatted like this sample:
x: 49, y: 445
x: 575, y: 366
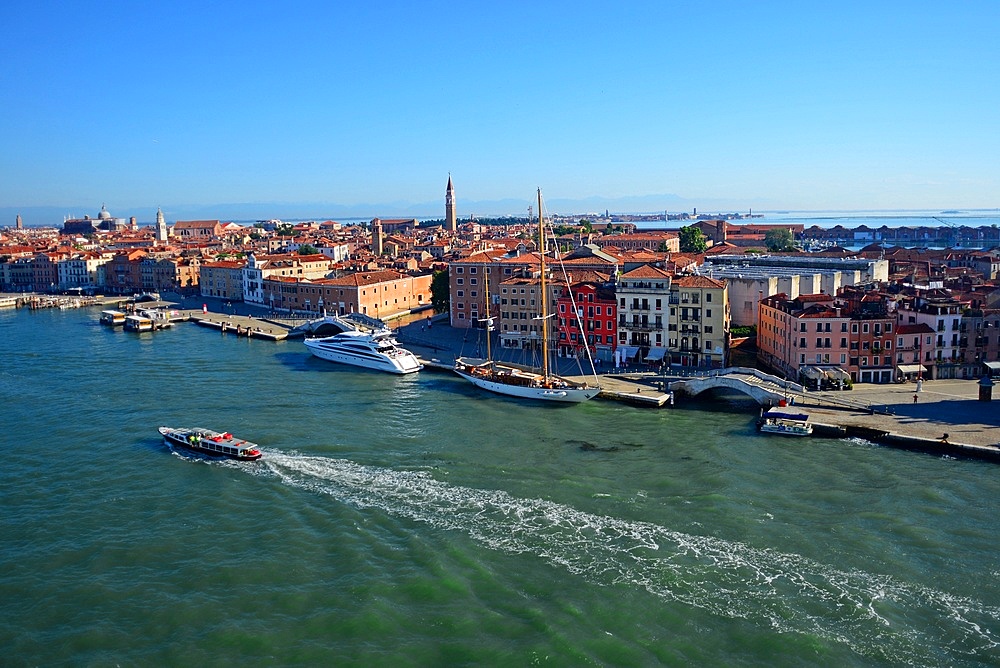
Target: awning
x: 838, y: 373
x: 812, y: 372
x: 911, y: 368
x: 628, y: 352
x: 781, y: 415
x: 992, y: 366
x: 656, y: 354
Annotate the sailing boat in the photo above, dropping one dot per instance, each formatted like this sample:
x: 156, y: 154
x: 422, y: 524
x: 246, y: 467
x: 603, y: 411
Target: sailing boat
x: 516, y: 380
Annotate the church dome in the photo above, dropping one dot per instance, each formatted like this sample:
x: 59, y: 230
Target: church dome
x: 104, y: 215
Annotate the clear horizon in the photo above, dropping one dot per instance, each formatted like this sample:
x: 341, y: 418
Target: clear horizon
x: 771, y: 106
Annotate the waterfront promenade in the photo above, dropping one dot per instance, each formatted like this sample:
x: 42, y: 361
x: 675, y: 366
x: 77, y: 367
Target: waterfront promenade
x: 942, y: 407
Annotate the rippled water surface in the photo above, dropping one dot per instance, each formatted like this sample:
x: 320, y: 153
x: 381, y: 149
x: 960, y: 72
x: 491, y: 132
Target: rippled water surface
x: 417, y: 521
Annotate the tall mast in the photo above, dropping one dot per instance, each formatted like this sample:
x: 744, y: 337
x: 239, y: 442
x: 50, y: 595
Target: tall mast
x: 489, y: 320
x: 545, y: 316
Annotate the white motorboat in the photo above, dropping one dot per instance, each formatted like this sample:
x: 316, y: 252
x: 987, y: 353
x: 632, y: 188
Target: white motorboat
x: 373, y: 349
x: 784, y: 423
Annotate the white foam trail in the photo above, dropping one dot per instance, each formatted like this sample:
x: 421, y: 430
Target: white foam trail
x: 786, y: 592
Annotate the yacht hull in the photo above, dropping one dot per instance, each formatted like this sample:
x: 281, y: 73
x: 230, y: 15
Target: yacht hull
x: 400, y: 364
x: 569, y: 394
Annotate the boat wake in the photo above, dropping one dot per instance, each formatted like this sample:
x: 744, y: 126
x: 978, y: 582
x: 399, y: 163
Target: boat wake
x: 786, y: 592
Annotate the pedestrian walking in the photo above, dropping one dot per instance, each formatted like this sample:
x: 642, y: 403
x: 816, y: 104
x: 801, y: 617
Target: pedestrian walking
x: 915, y: 398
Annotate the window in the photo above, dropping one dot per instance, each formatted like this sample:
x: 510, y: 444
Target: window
x: 843, y: 358
x: 458, y: 281
x: 708, y: 313
x: 461, y: 293
x: 708, y: 297
x: 472, y: 281
x: 854, y: 328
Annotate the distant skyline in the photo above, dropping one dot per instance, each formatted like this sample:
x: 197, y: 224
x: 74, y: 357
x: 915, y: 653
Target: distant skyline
x: 729, y: 106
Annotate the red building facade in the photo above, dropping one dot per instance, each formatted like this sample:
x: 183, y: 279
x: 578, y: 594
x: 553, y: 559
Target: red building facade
x: 593, y: 324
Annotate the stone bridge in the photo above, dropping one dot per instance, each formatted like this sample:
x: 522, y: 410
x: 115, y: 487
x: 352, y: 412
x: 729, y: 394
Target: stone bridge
x: 761, y: 387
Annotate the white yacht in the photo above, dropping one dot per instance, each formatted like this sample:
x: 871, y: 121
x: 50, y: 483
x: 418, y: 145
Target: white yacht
x: 372, y: 349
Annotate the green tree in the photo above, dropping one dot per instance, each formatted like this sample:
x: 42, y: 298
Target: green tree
x: 440, y: 295
x: 692, y: 240
x: 587, y: 226
x: 779, y: 239
x: 308, y: 249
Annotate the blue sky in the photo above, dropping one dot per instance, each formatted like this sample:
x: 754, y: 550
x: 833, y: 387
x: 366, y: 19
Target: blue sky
x: 868, y: 105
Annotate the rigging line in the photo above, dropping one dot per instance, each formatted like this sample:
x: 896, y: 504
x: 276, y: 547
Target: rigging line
x: 572, y: 300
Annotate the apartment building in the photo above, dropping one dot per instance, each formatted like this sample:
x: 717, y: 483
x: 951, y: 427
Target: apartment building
x: 698, y: 322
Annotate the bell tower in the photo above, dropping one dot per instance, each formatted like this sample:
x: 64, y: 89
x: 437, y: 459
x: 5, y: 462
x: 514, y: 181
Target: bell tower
x: 450, y: 218
x: 161, y: 227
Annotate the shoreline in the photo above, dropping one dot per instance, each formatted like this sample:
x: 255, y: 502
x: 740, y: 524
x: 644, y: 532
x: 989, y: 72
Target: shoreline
x: 884, y: 414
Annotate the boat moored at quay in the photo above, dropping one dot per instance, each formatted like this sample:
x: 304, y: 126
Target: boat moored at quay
x: 783, y: 423
x: 214, y: 443
x: 366, y: 343
x: 112, y: 318
x: 516, y: 380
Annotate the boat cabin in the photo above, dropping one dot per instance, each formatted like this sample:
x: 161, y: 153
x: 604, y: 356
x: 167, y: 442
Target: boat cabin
x: 138, y: 323
x: 784, y: 423
x: 112, y: 318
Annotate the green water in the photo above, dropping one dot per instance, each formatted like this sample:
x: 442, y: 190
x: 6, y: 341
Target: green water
x: 418, y: 521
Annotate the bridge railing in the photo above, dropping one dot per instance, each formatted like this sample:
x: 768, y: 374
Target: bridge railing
x: 766, y: 377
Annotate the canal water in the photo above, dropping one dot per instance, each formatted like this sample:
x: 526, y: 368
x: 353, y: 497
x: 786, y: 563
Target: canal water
x: 418, y: 521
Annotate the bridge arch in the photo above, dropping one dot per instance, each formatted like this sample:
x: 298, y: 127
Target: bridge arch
x: 765, y: 389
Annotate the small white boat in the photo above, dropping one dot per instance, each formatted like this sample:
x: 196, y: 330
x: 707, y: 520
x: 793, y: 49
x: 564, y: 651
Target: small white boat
x: 206, y: 441
x: 784, y: 423
x: 112, y: 318
x: 369, y: 349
